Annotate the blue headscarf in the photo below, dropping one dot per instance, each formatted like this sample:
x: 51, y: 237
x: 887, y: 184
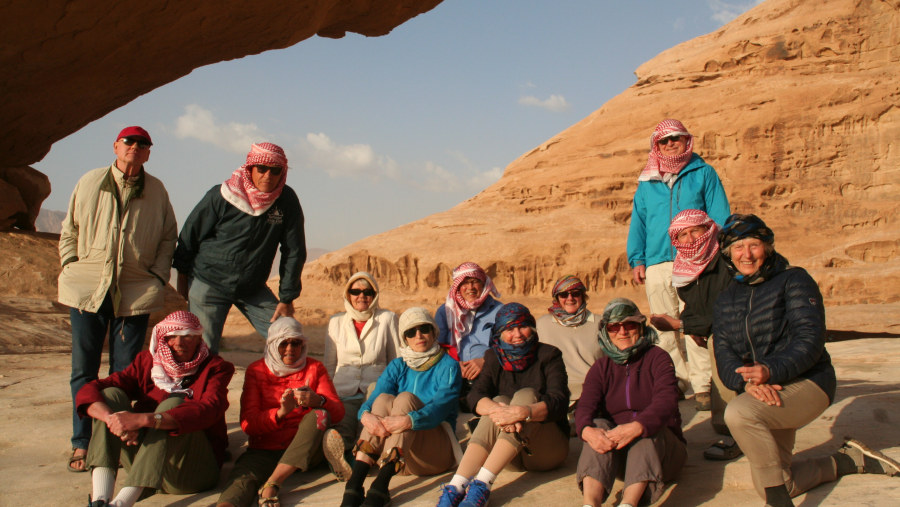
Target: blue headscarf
x: 514, y: 357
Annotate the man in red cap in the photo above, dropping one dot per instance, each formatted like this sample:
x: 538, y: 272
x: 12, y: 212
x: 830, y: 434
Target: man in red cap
x: 116, y: 249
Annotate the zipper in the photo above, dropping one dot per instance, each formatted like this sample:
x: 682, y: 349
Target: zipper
x: 628, y: 390
x: 747, y: 325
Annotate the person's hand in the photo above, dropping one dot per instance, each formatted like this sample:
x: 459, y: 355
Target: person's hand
x: 306, y: 397
x: 639, y: 274
x: 623, y: 434
x: 397, y: 423
x: 121, y: 422
x: 374, y: 424
x: 130, y: 437
x: 766, y: 393
x: 472, y: 368
x: 664, y: 322
x: 701, y: 341
x: 756, y: 374
x: 283, y: 310
x: 287, y: 403
x: 511, y: 414
x: 597, y: 439
x: 181, y: 285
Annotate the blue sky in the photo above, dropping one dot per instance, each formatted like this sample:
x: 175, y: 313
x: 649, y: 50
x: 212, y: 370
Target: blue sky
x: 383, y: 131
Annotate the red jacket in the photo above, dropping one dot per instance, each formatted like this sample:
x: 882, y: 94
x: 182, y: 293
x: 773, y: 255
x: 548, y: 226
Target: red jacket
x: 261, y: 398
x: 204, y: 411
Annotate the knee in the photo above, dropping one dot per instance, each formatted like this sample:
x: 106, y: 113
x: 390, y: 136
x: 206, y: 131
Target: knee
x: 405, y: 403
x: 383, y: 404
x: 116, y: 398
x: 736, y: 415
x: 169, y: 403
x: 525, y: 396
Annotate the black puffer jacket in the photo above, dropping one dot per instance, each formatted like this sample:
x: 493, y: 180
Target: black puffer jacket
x: 779, y: 323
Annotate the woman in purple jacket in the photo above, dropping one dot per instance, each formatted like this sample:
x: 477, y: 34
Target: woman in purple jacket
x: 628, y: 413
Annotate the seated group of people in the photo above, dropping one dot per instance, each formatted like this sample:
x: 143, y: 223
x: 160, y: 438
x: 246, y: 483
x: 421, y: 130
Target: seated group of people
x: 389, y: 391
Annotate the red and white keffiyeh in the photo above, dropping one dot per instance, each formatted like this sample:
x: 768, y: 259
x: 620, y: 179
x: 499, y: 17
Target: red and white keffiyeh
x: 460, y: 316
x: 166, y: 372
x: 692, y: 258
x: 658, y: 165
x: 240, y: 191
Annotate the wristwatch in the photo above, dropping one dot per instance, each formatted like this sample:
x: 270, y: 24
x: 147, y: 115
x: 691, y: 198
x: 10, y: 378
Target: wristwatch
x: 157, y: 420
x: 530, y: 413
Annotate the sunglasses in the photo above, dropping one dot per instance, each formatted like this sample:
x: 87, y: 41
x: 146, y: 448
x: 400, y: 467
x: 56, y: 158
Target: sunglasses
x: 142, y: 143
x: 263, y: 169
x: 664, y: 141
x: 614, y: 327
x: 566, y: 293
x: 291, y: 343
x: 369, y: 293
x: 421, y: 328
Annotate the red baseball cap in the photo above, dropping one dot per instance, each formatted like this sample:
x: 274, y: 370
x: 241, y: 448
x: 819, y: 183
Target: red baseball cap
x: 135, y: 131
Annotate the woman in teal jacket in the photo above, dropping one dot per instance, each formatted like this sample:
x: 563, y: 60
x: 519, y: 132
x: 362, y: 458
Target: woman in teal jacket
x: 409, y: 420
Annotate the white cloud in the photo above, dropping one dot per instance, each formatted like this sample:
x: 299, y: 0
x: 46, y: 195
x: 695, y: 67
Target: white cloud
x: 439, y: 180
x: 351, y: 160
x: 483, y: 180
x: 555, y: 103
x: 199, y: 123
x: 724, y: 12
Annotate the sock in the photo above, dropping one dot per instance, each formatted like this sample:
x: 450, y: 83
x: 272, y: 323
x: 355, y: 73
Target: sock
x: 459, y: 482
x: 358, y: 477
x: 486, y: 476
x: 103, y: 483
x: 777, y: 496
x: 383, y: 478
x: 127, y: 496
x: 844, y: 464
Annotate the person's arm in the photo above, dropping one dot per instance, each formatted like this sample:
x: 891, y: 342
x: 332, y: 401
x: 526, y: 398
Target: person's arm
x: 329, y: 358
x: 68, y: 236
x: 717, y: 206
x: 664, y: 393
x: 592, y: 396
x: 208, y: 404
x: 726, y: 313
x: 637, y: 233
x: 200, y: 225
x: 293, y: 250
x: 393, y: 344
x: 484, y: 388
x: 444, y: 335
x: 258, y: 414
x: 323, y: 386
x: 556, y: 394
x: 162, y: 265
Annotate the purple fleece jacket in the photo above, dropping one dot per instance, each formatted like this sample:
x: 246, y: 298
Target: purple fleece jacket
x: 643, y: 390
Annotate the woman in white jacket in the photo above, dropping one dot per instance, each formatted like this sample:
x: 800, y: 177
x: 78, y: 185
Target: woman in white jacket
x: 361, y: 342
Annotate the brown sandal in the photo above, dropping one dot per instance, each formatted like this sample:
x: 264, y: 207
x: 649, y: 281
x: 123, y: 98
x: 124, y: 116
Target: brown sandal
x: 75, y: 459
x: 269, y: 501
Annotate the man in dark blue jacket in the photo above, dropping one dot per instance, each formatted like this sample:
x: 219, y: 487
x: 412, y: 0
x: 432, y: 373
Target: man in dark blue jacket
x: 228, y: 243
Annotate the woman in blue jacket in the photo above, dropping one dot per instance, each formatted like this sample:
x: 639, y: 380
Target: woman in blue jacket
x: 409, y: 420
x: 769, y: 329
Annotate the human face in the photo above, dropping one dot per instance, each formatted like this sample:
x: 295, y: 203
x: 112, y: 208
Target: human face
x: 471, y: 289
x: 419, y: 338
x: 265, y: 178
x: 748, y: 255
x: 130, y: 158
x: 184, y: 348
x: 624, y: 334
x: 571, y: 300
x: 672, y: 148
x: 361, y: 301
x: 687, y: 236
x: 290, y: 350
x: 516, y: 336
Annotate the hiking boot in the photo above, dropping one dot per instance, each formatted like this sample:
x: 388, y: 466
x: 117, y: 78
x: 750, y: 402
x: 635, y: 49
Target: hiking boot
x: 477, y: 495
x: 702, y: 402
x: 869, y: 461
x: 450, y: 496
x: 333, y: 449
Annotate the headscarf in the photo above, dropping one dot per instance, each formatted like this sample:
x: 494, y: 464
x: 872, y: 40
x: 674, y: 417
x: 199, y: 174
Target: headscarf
x: 240, y: 191
x: 284, y: 328
x: 564, y: 318
x: 624, y: 310
x: 419, y: 361
x: 355, y: 314
x: 662, y: 167
x: 738, y: 227
x: 692, y: 258
x: 459, y: 316
x: 167, y: 373
x: 514, y: 357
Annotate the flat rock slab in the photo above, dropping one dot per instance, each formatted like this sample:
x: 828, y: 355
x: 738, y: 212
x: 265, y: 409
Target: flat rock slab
x: 35, y: 428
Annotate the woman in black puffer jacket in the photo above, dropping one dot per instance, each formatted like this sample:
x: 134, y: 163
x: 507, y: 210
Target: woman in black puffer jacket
x: 771, y: 327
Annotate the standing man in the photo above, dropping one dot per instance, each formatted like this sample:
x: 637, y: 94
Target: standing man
x: 115, y: 248
x: 228, y: 243
x: 674, y: 179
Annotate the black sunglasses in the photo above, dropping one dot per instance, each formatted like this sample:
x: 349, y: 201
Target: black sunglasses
x: 664, y: 141
x: 291, y: 343
x: 422, y: 328
x: 614, y: 327
x: 566, y: 293
x: 365, y: 292
x: 142, y: 143
x: 263, y: 169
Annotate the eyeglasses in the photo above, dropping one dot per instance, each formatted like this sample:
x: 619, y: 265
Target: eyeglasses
x: 614, y: 327
x: 291, y: 343
x: 566, y: 293
x: 421, y: 328
x: 664, y: 141
x: 369, y: 293
x: 263, y: 169
x: 142, y: 143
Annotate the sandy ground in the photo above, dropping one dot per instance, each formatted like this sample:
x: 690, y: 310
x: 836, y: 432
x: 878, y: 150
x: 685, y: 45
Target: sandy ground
x: 35, y: 429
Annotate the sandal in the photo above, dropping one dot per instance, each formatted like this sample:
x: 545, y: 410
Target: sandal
x: 75, y: 458
x: 269, y: 501
x: 725, y: 449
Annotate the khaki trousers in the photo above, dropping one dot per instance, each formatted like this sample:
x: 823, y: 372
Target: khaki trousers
x: 719, y: 394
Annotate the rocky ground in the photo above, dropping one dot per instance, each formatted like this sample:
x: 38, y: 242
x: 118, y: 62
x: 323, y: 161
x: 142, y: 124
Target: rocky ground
x: 34, y: 439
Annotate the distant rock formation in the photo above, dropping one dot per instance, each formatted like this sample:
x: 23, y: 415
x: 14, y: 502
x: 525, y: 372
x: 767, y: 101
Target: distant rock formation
x: 23, y: 190
x: 50, y: 221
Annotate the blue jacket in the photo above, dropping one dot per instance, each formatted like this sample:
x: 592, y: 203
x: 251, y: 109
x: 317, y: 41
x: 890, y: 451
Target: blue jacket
x: 437, y: 388
x: 655, y: 205
x: 474, y: 344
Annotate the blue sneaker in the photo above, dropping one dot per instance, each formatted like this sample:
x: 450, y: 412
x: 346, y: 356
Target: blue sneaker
x: 477, y: 496
x: 450, y: 496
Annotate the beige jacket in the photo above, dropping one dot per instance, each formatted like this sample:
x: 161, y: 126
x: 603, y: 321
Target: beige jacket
x: 97, y: 243
x: 354, y: 363
x: 579, y: 345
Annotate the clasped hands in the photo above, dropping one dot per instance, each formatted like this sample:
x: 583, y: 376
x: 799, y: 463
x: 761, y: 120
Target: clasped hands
x: 126, y: 425
x: 756, y: 377
x: 508, y: 418
x: 385, y: 426
x: 604, y: 441
x: 293, y: 398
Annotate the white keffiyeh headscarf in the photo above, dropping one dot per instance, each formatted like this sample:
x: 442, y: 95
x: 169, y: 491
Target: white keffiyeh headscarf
x: 167, y: 373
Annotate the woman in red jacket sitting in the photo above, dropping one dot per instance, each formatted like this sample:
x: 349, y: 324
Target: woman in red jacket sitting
x: 287, y: 402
